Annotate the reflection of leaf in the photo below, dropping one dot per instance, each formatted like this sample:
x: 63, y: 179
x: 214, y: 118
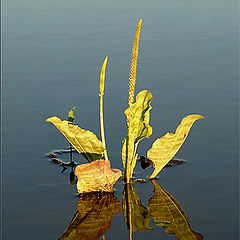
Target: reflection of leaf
x: 96, y: 176
x: 138, y: 128
x: 163, y: 149
x: 93, y: 219
x: 83, y: 141
x: 166, y: 212
x: 135, y: 214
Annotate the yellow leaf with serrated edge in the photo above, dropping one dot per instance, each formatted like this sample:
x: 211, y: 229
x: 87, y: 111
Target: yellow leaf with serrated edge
x: 84, y: 141
x: 164, y: 148
x: 138, y: 116
x: 167, y: 213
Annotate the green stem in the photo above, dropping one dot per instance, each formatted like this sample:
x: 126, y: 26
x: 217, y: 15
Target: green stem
x: 126, y: 161
x: 101, y: 93
x: 102, y: 127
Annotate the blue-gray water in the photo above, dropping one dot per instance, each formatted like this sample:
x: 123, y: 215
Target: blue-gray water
x: 188, y: 59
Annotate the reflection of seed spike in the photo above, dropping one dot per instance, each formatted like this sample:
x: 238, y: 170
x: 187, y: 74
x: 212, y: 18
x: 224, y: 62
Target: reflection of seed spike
x: 102, y: 77
x: 132, y: 78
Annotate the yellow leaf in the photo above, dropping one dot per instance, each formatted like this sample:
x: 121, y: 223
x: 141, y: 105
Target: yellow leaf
x: 138, y: 116
x: 167, y: 212
x: 96, y: 176
x: 135, y: 214
x: 163, y: 149
x: 85, y: 142
x: 93, y: 218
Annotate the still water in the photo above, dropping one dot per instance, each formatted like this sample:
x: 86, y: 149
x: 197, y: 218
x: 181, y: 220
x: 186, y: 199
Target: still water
x: 188, y: 59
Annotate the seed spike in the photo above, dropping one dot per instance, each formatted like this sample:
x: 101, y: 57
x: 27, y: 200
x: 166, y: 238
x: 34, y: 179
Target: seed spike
x: 132, y: 77
x: 102, y: 77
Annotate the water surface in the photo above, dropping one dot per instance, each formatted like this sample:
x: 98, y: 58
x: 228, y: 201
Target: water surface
x: 188, y: 59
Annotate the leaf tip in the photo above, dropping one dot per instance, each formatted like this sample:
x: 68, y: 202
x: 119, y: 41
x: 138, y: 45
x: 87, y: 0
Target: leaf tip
x: 51, y: 119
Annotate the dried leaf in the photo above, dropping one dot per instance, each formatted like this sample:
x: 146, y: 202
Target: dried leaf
x: 51, y: 155
x: 163, y: 149
x: 166, y: 212
x: 138, y: 116
x: 85, y: 142
x: 96, y: 176
x: 94, y: 216
x: 135, y: 214
x: 174, y: 162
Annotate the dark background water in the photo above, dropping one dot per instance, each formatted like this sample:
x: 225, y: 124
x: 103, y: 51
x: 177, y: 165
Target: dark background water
x: 188, y: 59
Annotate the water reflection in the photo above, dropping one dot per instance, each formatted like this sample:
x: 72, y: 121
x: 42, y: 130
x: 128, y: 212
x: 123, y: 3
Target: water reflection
x: 65, y: 165
x: 93, y: 218
x: 96, y: 210
x: 162, y: 208
x: 168, y: 214
x: 135, y: 214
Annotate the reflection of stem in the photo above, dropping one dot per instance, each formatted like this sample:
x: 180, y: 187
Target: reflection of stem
x: 129, y: 211
x: 130, y: 235
x: 101, y: 93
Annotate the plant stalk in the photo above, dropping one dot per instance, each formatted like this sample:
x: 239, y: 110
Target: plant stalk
x: 132, y: 82
x: 102, y: 128
x: 101, y: 93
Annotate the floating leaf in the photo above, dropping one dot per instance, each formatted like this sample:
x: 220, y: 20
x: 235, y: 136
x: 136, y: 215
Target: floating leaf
x: 71, y: 116
x: 145, y: 162
x: 138, y: 116
x: 96, y: 176
x: 85, y: 142
x: 51, y: 155
x: 166, y: 212
x: 163, y: 149
x: 94, y: 216
x: 174, y: 162
x: 135, y: 214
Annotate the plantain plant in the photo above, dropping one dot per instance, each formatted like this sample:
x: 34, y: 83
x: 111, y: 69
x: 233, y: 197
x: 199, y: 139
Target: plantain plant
x: 138, y: 116
x: 137, y: 119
